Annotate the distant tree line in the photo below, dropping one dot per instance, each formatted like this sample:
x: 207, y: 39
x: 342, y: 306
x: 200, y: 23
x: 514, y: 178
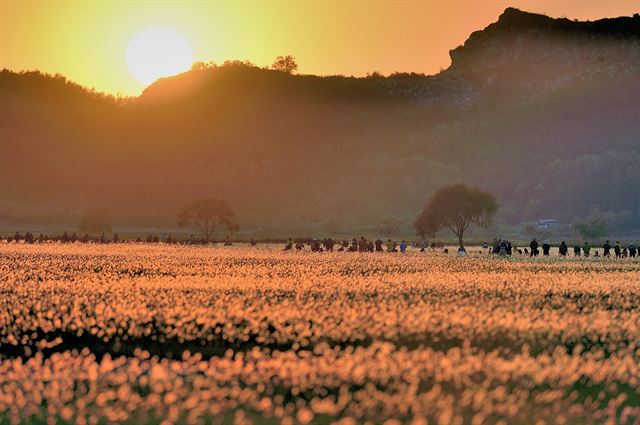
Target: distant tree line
x: 287, y: 64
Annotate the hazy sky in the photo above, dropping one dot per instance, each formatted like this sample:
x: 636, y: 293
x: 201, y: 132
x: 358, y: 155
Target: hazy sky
x: 87, y: 40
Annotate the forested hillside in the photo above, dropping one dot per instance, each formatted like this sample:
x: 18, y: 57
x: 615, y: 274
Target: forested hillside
x: 543, y: 112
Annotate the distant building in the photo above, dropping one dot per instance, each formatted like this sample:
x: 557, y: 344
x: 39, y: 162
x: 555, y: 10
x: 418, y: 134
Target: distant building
x: 547, y: 224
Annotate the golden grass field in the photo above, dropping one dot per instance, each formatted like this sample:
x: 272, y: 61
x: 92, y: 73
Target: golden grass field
x: 140, y: 333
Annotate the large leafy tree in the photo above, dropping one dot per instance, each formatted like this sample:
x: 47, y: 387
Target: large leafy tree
x: 456, y: 208
x: 207, y: 215
x: 591, y: 229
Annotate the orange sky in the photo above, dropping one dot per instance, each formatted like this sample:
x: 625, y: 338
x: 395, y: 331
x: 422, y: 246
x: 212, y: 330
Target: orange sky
x: 86, y: 40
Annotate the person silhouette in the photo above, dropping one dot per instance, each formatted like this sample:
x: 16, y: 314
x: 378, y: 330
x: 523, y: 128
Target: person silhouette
x: 354, y: 245
x: 288, y: 245
x: 546, y: 247
x: 363, y: 246
x: 378, y: 245
x: 563, y: 250
x: 390, y: 245
x: 534, y: 247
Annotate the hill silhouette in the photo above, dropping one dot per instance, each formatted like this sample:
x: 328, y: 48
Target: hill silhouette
x: 541, y: 111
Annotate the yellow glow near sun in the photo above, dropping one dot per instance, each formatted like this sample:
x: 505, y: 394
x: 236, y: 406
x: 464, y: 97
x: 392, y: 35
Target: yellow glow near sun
x: 158, y: 52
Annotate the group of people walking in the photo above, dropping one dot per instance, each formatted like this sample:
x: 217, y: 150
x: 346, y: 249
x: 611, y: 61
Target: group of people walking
x: 29, y: 238
x: 619, y: 250
x: 356, y: 245
x: 500, y: 247
x: 504, y: 247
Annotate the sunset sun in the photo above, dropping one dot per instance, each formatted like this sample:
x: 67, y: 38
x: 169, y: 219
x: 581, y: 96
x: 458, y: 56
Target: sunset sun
x: 158, y: 52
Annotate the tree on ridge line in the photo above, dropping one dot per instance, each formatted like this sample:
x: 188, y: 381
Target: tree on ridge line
x: 286, y: 64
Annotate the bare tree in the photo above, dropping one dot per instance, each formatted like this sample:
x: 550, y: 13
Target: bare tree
x: 206, y: 215
x: 95, y: 220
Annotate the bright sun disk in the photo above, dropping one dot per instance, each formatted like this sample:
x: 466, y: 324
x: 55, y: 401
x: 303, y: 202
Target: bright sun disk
x: 158, y: 52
